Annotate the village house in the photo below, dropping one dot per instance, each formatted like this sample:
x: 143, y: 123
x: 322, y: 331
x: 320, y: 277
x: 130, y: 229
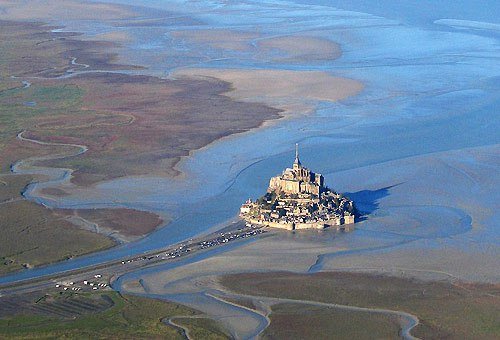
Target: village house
x: 299, y: 199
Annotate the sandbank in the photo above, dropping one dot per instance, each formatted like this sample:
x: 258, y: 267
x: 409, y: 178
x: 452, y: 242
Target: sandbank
x: 291, y: 48
x: 301, y: 48
x: 218, y: 38
x: 48, y: 10
x: 123, y: 224
x: 425, y: 227
x: 280, y: 88
x: 113, y: 36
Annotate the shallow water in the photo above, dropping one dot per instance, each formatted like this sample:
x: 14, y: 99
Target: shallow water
x: 429, y: 88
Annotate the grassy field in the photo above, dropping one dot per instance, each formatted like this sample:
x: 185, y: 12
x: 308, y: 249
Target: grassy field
x: 295, y: 321
x: 203, y: 328
x: 33, y: 235
x: 444, y: 310
x: 96, y: 316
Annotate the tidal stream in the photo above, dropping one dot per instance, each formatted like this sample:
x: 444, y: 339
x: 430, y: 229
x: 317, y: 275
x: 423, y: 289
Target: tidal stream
x: 430, y: 86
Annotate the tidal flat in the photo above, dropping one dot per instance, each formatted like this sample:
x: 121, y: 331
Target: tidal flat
x: 444, y: 310
x: 413, y: 141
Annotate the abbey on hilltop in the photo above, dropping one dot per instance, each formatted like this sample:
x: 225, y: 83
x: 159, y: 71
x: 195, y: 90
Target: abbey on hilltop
x: 299, y: 199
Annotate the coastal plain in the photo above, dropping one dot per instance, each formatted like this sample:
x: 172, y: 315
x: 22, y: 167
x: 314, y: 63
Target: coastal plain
x: 33, y: 235
x: 107, y: 314
x: 451, y: 269
x: 152, y: 121
x: 444, y: 310
x: 136, y: 132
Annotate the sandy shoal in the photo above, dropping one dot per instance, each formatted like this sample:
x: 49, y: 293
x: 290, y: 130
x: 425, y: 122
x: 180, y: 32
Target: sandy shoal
x: 53, y: 10
x: 218, y: 38
x: 290, y: 48
x: 280, y: 88
x: 302, y: 48
x: 113, y: 36
x: 469, y: 254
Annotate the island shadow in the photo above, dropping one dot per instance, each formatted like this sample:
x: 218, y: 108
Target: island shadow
x: 367, y: 201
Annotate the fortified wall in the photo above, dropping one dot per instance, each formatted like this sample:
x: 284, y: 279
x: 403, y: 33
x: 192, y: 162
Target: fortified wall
x: 298, y: 199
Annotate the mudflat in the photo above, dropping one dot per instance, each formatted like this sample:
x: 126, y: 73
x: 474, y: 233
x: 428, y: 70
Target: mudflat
x: 289, y: 48
x: 291, y: 91
x: 141, y: 125
x: 46, y: 10
x: 127, y: 223
x: 132, y: 125
x: 444, y: 309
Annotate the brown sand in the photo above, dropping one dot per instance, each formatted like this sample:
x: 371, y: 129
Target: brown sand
x: 128, y: 222
x: 286, y: 48
x: 282, y: 89
x: 301, y: 48
x: 113, y: 36
x: 224, y: 39
x: 47, y: 10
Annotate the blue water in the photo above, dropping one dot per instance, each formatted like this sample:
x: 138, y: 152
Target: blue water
x: 429, y: 87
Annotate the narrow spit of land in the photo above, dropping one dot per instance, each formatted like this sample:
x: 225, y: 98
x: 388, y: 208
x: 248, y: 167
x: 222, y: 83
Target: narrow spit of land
x: 111, y: 270
x: 96, y: 280
x: 72, y: 126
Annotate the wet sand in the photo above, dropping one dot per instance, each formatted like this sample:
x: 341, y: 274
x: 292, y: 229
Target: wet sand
x: 120, y: 37
x: 293, y: 91
x: 287, y: 48
x: 403, y: 236
x: 301, y: 49
x: 219, y: 38
x: 52, y: 9
x: 428, y: 92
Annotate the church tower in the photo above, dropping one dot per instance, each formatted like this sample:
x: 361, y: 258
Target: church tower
x: 296, y: 164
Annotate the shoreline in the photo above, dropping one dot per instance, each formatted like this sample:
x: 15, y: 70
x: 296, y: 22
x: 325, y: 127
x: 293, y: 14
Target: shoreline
x: 214, y: 241
x: 45, y: 193
x: 377, y: 293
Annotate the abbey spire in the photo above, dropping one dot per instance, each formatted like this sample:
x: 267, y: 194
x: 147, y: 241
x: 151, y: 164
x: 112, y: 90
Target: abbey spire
x: 296, y: 163
x: 299, y: 199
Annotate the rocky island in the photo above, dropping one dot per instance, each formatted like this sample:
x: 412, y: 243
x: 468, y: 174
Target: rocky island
x: 299, y: 199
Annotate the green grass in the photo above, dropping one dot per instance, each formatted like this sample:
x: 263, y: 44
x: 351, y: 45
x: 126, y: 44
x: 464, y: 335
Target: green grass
x: 12, y: 186
x: 445, y: 310
x: 32, y: 234
x: 203, y: 328
x: 296, y: 321
x: 60, y: 97
x: 131, y: 317
x: 52, y: 102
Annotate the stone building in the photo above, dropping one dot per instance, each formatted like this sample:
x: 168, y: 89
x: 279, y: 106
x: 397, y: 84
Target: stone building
x: 299, y: 199
x: 297, y: 180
